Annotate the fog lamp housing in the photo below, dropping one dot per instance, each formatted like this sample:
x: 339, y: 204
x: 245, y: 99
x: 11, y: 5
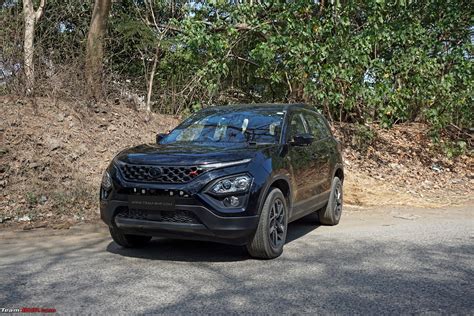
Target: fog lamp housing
x: 232, y: 201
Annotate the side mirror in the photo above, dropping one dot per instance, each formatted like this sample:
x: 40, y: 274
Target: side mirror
x: 159, y: 137
x: 302, y: 139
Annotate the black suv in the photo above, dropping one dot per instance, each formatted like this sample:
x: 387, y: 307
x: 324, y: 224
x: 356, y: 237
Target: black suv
x: 232, y: 174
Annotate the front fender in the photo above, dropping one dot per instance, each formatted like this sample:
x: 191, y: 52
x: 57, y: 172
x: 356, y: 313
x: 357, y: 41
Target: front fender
x: 268, y: 185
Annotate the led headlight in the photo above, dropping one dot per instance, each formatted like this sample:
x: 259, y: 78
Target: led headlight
x: 106, y: 181
x: 237, y: 184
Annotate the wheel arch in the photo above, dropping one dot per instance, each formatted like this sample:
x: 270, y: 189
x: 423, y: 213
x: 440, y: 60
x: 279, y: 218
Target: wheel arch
x: 283, y: 184
x: 339, y: 172
x: 284, y: 187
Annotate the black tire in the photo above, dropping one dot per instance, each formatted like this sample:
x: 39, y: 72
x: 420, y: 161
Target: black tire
x: 331, y: 214
x: 270, y: 237
x: 128, y: 241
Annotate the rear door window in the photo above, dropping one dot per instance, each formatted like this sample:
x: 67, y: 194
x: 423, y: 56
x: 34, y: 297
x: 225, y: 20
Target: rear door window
x: 317, y: 125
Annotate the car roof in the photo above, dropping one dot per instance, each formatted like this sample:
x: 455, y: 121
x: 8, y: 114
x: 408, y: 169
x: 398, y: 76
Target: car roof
x: 263, y: 106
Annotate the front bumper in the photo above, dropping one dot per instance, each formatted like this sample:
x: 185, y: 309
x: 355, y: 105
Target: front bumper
x: 214, y: 221
x: 207, y: 226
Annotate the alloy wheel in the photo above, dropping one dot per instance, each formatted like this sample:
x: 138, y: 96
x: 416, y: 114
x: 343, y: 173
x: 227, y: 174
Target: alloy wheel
x: 338, y: 200
x: 277, y: 224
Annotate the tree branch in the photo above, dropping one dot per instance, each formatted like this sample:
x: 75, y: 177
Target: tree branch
x: 244, y: 59
x: 165, y: 26
x: 39, y: 12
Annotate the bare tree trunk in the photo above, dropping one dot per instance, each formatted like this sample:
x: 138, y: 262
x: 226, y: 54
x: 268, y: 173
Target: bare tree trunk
x: 95, y: 48
x: 150, y: 82
x: 157, y: 54
x: 31, y: 17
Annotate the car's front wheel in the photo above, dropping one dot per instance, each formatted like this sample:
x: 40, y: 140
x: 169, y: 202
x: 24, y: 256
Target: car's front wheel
x: 126, y: 240
x: 270, y: 236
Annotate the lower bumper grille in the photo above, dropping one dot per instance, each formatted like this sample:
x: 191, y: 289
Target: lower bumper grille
x: 184, y: 217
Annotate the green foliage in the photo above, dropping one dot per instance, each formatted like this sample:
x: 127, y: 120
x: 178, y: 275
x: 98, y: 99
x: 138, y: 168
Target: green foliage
x: 363, y: 137
x: 130, y: 42
x: 360, y: 61
x: 32, y: 198
x: 357, y: 60
x: 454, y: 148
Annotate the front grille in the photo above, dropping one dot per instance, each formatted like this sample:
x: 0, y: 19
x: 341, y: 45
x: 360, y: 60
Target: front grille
x: 159, y: 216
x: 159, y: 174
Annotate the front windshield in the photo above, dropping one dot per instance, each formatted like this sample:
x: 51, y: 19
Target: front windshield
x: 229, y: 126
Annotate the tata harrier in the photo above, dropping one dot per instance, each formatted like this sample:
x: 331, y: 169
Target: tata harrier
x: 231, y: 174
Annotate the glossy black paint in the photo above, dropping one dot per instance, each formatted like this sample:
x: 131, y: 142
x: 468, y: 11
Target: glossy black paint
x: 302, y: 167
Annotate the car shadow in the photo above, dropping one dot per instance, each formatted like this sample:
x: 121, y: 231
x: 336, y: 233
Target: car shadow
x: 203, y: 251
x: 301, y: 227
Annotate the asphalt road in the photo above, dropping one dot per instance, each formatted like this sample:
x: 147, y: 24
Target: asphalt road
x: 387, y: 261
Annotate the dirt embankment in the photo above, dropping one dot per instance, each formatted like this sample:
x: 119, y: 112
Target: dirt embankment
x: 51, y: 162
x: 402, y: 166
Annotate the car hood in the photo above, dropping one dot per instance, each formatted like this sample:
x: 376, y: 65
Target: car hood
x: 189, y: 154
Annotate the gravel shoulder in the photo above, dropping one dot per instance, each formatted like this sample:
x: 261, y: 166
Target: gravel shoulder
x: 391, y: 260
